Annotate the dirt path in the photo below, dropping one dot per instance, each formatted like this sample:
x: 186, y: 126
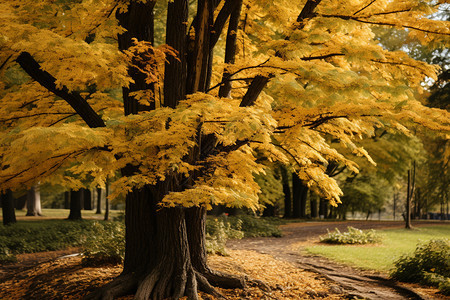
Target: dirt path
x: 354, y: 283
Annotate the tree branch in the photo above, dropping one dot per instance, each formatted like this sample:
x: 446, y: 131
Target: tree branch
x: 307, y: 11
x: 256, y: 87
x: 221, y: 19
x: 371, y: 2
x: 230, y: 49
x: 358, y: 19
x: 74, y: 99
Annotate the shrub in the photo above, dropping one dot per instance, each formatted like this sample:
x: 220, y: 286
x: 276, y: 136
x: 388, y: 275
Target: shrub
x: 38, y: 236
x: 352, y: 236
x: 255, y: 227
x: 429, y: 265
x: 218, y: 231
x: 105, y: 245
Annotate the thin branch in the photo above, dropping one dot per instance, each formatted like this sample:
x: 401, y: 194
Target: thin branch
x: 364, y: 7
x: 62, y: 119
x: 322, y: 56
x: 344, y: 17
x: 34, y: 115
x: 390, y: 12
x: 4, y: 63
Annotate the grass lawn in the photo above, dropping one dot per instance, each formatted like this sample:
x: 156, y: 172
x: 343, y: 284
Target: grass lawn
x: 381, y: 257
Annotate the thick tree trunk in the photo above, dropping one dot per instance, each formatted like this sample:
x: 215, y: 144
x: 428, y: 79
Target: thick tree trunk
x: 299, y: 197
x: 165, y: 254
x: 99, y: 201
x: 76, y: 198
x: 34, y: 201
x: 9, y: 213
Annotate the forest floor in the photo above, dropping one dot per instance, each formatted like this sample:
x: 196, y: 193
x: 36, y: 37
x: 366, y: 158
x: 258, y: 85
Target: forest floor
x: 279, y: 262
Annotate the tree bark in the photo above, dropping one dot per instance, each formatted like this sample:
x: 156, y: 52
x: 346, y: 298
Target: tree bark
x: 9, y: 213
x: 76, y: 198
x: 175, y: 72
x: 34, y: 201
x: 138, y: 21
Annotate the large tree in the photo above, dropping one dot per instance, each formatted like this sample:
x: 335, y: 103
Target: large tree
x: 192, y: 113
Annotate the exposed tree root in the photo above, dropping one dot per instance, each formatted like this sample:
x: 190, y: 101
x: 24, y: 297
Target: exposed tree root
x: 206, y: 287
x: 224, y: 280
x: 122, y: 285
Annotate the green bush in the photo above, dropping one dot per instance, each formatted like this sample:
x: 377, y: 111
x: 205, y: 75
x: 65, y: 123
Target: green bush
x: 352, y: 236
x: 105, y: 245
x: 218, y: 231
x: 429, y: 265
x: 38, y: 236
x: 256, y: 227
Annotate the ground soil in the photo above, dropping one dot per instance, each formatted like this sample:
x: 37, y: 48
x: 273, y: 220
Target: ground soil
x: 286, y: 271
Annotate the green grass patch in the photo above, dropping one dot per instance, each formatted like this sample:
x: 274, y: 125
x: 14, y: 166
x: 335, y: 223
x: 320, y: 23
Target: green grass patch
x: 381, y: 257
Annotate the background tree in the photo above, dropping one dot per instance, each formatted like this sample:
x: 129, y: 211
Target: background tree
x: 8, y: 210
x: 179, y: 146
x: 34, y: 201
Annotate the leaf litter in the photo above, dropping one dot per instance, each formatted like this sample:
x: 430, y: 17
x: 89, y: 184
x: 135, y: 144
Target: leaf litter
x: 66, y: 278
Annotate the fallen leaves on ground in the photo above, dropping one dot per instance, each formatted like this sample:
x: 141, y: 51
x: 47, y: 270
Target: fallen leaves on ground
x: 65, y: 278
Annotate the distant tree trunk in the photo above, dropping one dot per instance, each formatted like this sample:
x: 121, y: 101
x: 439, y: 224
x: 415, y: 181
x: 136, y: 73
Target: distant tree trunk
x: 20, y: 202
x: 99, y: 201
x: 314, y: 208
x: 106, y: 218
x: 287, y: 194
x: 295, y: 196
x: 323, y: 208
x: 87, y: 199
x: 9, y: 213
x: 299, y: 197
x: 76, y: 198
x: 409, y: 195
x: 67, y: 200
x: 34, y: 201
x: 395, y: 204
x: 269, y: 211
